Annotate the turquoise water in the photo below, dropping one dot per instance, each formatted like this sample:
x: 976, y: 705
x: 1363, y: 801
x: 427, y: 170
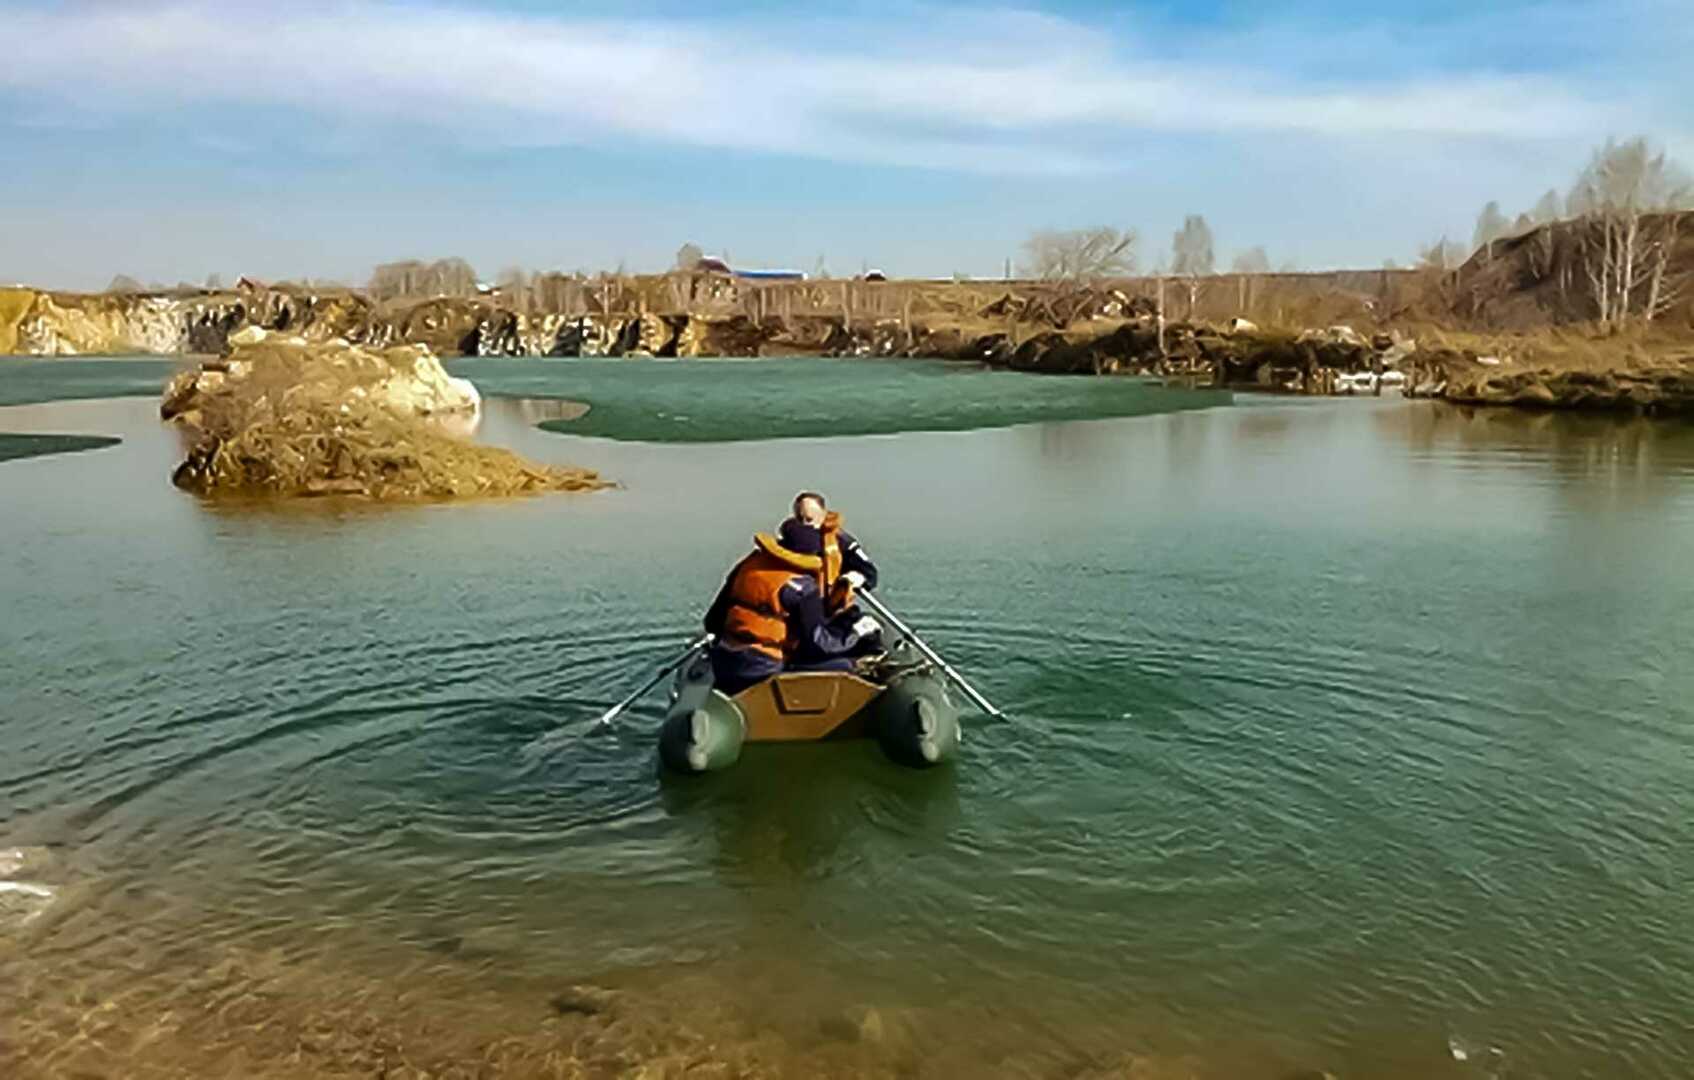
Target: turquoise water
x: 26, y: 380
x: 1343, y: 734
x: 13, y: 447
x: 29, y: 380
x: 725, y: 401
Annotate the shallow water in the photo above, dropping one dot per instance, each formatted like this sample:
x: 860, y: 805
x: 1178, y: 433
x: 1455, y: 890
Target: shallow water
x: 1344, y: 734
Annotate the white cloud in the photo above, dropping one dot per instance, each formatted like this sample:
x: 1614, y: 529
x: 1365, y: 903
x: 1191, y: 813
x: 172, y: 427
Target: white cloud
x: 995, y: 92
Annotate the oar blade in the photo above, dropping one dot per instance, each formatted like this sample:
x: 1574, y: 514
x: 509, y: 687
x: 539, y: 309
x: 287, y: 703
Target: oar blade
x: 606, y: 718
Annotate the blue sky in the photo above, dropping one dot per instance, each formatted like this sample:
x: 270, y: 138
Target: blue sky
x: 169, y: 139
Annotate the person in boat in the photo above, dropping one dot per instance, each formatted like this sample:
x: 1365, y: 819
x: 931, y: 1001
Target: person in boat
x: 845, y: 559
x: 773, y: 613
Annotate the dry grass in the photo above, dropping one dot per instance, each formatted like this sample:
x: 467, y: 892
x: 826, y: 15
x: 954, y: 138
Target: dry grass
x: 316, y: 420
x: 1570, y: 348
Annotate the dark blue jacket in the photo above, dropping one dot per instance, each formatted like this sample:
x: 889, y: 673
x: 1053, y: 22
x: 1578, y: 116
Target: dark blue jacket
x: 853, y: 557
x: 820, y: 641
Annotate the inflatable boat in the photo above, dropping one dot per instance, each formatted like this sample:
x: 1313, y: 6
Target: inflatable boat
x: 902, y: 702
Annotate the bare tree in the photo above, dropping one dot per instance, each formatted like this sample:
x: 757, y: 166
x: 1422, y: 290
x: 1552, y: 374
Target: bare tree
x: 412, y: 279
x: 1491, y: 225
x: 1522, y: 225
x: 1191, y: 248
x: 1628, y: 201
x: 214, y: 282
x: 1079, y: 254
x: 514, y: 285
x: 1664, y: 289
x: 1252, y: 261
x: 1548, y: 209
x: 123, y: 283
x: 688, y: 256
x: 1191, y: 255
x: 1443, y: 254
x: 820, y: 269
x: 396, y: 279
x: 1540, y: 252
x: 454, y: 277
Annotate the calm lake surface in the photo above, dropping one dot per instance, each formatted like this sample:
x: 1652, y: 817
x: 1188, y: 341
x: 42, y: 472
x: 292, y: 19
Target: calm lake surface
x: 1345, y: 735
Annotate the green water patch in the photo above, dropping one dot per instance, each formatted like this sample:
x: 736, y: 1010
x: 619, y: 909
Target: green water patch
x: 31, y: 380
x: 741, y: 400
x: 17, y: 447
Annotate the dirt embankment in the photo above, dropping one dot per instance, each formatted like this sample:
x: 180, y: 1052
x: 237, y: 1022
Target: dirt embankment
x: 1525, y: 301
x: 1518, y: 324
x: 284, y: 417
x: 1540, y: 280
x: 684, y: 315
x: 1642, y: 374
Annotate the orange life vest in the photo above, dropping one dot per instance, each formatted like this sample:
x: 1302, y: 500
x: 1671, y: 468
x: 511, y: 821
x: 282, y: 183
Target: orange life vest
x: 838, y: 594
x: 756, y: 619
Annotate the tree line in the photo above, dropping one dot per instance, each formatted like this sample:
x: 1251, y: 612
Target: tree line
x: 1102, y: 251
x: 1626, y: 209
x: 414, y: 278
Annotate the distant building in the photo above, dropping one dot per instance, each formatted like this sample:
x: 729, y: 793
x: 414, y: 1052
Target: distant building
x: 771, y: 275
x: 711, y: 264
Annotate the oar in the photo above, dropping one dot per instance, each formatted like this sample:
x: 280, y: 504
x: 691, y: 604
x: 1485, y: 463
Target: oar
x: 934, y: 657
x: 617, y: 710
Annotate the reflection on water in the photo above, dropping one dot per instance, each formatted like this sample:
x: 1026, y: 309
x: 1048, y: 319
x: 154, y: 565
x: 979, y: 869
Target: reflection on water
x: 1619, y: 456
x: 534, y: 411
x: 1341, y: 733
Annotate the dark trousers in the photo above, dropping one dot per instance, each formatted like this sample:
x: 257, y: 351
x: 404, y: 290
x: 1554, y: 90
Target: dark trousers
x: 734, y: 670
x: 834, y: 663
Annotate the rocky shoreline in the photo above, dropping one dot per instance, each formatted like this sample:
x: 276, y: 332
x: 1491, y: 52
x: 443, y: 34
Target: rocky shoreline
x: 1033, y: 327
x: 1634, y: 385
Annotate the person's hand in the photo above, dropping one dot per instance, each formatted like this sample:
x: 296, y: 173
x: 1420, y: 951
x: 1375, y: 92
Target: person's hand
x: 854, y: 578
x: 866, y: 626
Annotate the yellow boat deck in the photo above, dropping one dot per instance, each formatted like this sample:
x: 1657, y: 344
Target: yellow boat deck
x: 803, y: 706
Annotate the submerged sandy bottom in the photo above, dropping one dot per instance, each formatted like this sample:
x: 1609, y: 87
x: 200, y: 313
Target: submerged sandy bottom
x: 83, y: 995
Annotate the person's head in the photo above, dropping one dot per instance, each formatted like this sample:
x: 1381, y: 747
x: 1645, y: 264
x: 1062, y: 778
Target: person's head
x: 809, y: 507
x: 801, y: 538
